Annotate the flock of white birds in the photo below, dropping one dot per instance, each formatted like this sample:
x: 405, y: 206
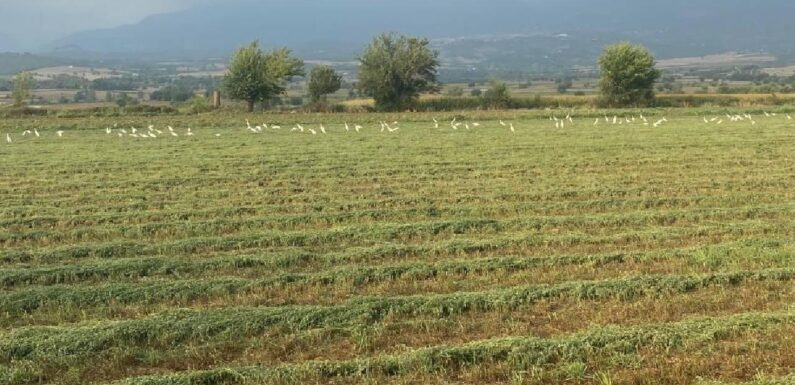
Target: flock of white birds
x: 151, y: 132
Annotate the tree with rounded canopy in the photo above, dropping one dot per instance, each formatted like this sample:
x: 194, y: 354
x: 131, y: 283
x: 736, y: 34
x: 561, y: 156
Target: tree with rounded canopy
x: 257, y: 76
x: 628, y: 75
x: 394, y: 70
x: 323, y: 80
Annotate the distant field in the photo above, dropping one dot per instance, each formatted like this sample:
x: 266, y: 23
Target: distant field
x: 82, y: 72
x: 592, y: 254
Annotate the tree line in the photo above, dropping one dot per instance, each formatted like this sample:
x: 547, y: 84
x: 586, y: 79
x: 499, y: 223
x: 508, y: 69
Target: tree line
x: 395, y: 69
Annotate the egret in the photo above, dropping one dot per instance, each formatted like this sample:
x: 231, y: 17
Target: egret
x: 512, y: 129
x: 8, y: 138
x: 322, y: 129
x: 313, y: 131
x: 789, y: 117
x: 60, y: 133
x: 615, y: 119
x: 189, y: 132
x: 217, y: 135
x: 435, y: 123
x: 502, y: 123
x: 705, y: 120
x: 595, y: 122
x: 358, y: 127
x: 26, y: 133
x: 466, y: 125
x: 36, y: 132
x: 475, y: 124
x: 123, y: 131
x: 720, y: 121
x: 120, y: 134
x: 173, y: 133
x: 134, y: 135
x: 107, y: 130
x: 265, y: 125
x: 133, y: 130
x: 248, y: 125
x: 276, y: 127
x: 347, y: 127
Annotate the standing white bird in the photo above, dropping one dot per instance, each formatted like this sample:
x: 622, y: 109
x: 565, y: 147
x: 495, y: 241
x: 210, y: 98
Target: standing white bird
x: 322, y: 129
x: 108, y: 130
x: 347, y: 127
x: 595, y: 122
x: 8, y: 138
x: 313, y: 131
x: 358, y: 127
x: 26, y: 133
x: 512, y: 129
x: 36, y: 132
x: 189, y: 133
x: 60, y: 133
x: 502, y: 123
x: 435, y: 123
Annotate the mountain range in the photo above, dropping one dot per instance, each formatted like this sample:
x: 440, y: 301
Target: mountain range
x: 464, y: 30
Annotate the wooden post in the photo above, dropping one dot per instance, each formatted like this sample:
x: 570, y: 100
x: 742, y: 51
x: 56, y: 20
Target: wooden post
x: 217, y: 99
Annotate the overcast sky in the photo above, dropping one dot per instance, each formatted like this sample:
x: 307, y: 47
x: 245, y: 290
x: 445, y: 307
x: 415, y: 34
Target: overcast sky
x: 32, y: 23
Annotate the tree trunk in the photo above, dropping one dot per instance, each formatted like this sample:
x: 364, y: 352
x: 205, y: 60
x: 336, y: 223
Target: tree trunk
x: 250, y: 106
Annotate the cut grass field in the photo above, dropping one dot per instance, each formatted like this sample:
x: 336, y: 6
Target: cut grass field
x: 593, y: 254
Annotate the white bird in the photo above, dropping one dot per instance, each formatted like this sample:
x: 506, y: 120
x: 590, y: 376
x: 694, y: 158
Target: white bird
x: 36, y: 132
x: 8, y: 138
x: 276, y: 127
x: 502, y: 123
x: 789, y: 117
x: 347, y: 127
x: 466, y: 125
x: 107, y: 130
x: 189, y: 133
x: 358, y: 127
x: 322, y: 129
x: 265, y: 125
x: 173, y: 133
x: 134, y: 135
x: 720, y: 121
x: 123, y: 131
x: 60, y: 133
x: 248, y: 125
x: 217, y: 135
x: 512, y: 129
x: 595, y: 122
x: 435, y: 123
x: 313, y: 131
x: 475, y: 124
x: 133, y: 130
x: 706, y: 120
x: 120, y: 134
x: 26, y: 133
x: 615, y: 119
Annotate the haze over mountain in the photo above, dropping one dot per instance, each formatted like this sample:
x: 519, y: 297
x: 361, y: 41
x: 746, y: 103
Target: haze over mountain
x: 560, y: 32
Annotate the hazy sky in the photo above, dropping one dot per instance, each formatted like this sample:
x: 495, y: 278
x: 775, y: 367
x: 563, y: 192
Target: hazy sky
x: 32, y: 23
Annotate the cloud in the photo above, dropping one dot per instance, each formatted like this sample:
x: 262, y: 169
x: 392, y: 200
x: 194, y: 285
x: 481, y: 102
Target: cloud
x: 33, y: 23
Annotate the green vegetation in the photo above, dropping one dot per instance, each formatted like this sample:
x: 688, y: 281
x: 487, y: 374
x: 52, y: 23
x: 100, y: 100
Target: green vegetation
x: 590, y: 254
x: 394, y: 70
x: 323, y: 80
x: 628, y: 75
x: 23, y: 83
x: 256, y: 76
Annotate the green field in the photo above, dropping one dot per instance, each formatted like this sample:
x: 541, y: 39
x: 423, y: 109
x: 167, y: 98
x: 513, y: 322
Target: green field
x: 594, y: 254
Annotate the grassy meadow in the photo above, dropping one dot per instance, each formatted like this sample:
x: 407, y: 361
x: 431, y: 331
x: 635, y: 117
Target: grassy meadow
x: 589, y: 254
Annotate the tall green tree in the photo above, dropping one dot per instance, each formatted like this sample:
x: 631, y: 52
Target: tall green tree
x: 323, y: 80
x: 257, y: 76
x: 394, y: 70
x: 628, y: 75
x: 23, y: 83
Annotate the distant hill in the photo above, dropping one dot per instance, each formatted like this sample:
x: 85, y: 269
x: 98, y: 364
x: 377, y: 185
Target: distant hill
x: 572, y: 32
x: 12, y: 63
